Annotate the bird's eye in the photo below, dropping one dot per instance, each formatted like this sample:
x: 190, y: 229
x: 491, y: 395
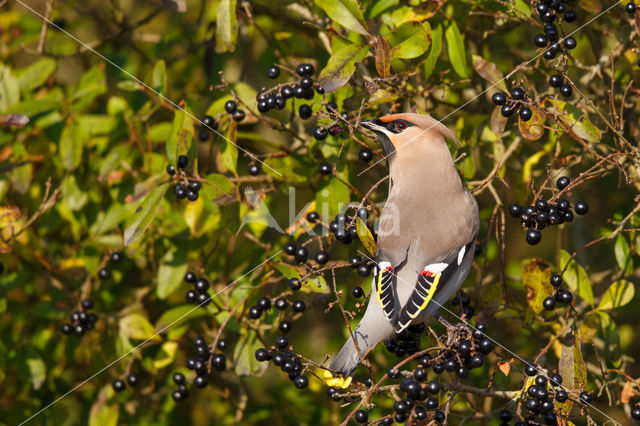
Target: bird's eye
x: 401, y: 125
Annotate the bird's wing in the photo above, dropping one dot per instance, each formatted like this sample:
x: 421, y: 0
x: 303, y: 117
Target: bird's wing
x: 384, y: 278
x: 432, y: 277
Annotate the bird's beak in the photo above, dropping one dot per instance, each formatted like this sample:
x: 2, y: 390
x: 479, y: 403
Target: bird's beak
x: 371, y: 125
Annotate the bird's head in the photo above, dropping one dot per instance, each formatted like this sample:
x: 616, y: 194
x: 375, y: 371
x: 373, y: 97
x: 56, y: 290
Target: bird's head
x: 396, y: 131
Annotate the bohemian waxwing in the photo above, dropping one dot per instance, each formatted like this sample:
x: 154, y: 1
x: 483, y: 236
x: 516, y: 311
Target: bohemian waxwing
x: 426, y: 234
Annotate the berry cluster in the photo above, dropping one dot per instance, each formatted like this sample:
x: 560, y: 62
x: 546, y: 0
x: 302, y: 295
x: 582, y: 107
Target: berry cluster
x: 186, y: 188
x: 362, y: 267
x: 517, y: 102
x: 541, y: 393
x: 232, y: 108
x: 288, y: 361
x: 81, y: 321
x: 536, y: 217
x: 468, y: 350
x: 276, y: 97
x: 557, y: 81
x: 105, y: 273
x: 263, y: 305
x: 119, y: 385
x: 208, y: 122
x: 465, y: 304
x: 561, y: 295
x: 201, y: 364
x: 199, y: 293
x: 550, y: 11
x: 407, y: 342
x: 343, y: 233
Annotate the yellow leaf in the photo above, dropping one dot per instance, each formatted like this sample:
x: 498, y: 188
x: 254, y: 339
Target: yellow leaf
x: 365, y: 236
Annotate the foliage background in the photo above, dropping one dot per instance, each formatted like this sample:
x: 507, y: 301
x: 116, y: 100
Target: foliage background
x: 97, y: 142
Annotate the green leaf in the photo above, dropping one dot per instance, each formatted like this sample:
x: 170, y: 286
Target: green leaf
x: 621, y: 250
x: 535, y: 279
x: 571, y: 367
x: 129, y: 86
x: 611, y: 338
x: 144, y: 214
x: 74, y: 197
x: 9, y: 89
x: 345, y: 12
x: 180, y: 140
x: 293, y: 168
x: 365, y: 236
x: 219, y: 189
x: 103, y: 414
x: 576, y: 278
x: 434, y: 53
x: 576, y: 122
x: 410, y: 40
x: 230, y: 150
x: 226, y: 26
x: 171, y: 271
x: 380, y: 6
x: 341, y: 66
x: 316, y: 284
x: 92, y: 84
x: 159, y: 77
x: 456, y: 50
x: 534, y: 128
x: 331, y: 198
x: 37, y: 369
x: 176, y: 320
x: 136, y: 326
x: 36, y: 74
x: 244, y: 355
x: 288, y: 270
x: 71, y: 143
x: 618, y: 294
x: 489, y: 71
x: 166, y: 355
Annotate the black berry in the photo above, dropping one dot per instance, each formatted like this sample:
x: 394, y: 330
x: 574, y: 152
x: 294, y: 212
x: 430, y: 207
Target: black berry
x: 499, y: 98
x: 361, y: 416
x: 322, y: 257
x: 325, y: 169
x: 301, y: 254
x: 254, y: 169
x: 273, y: 71
x: 304, y: 111
x: 320, y: 133
x: 533, y: 237
x: 566, y: 90
x: 299, y: 306
x: 630, y: 8
x: 549, y: 303
x: 118, y: 385
x: 581, y: 208
x: 230, y: 107
x: 525, y: 114
x: 183, y: 161
x: 132, y: 380
x: 540, y: 39
x: 365, y: 155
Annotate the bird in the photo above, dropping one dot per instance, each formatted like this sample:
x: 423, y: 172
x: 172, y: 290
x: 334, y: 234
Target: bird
x: 427, y: 233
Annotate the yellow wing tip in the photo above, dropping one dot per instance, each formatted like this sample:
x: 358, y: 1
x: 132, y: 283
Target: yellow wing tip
x: 336, y: 381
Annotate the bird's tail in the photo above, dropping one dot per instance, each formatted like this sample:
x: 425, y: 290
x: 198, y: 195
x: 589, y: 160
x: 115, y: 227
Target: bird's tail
x: 347, y: 359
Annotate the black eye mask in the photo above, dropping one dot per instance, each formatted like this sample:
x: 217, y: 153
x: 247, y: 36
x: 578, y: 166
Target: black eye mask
x: 395, y: 126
